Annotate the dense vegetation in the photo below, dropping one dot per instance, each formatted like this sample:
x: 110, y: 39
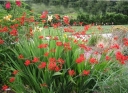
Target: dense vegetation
x: 90, y: 6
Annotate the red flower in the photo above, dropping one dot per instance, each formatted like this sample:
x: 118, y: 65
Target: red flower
x: 18, y: 3
x: 86, y: 27
x: 57, y: 16
x: 115, y: 38
x: 20, y: 56
x: 15, y: 72
x: 42, y: 65
x: 14, y: 32
x: 107, y: 58
x: 5, y: 87
x: 80, y: 59
x: 93, y: 60
x: 44, y: 15
x: 12, y: 79
x: 86, y: 72
x: 81, y: 23
x: 57, y: 68
x: 43, y: 21
x: 46, y: 54
x: 55, y: 38
x: 60, y: 60
x: 122, y: 62
x: 71, y: 72
x: 52, y: 60
x: 1, y: 41
x: 4, y: 29
x: 59, y: 43
x: 66, y: 20
x: 121, y: 57
x: 116, y: 46
x: 43, y: 46
x: 35, y: 59
x: 126, y: 43
x: 52, y: 65
x: 8, y: 5
x: 27, y: 62
x: 101, y: 46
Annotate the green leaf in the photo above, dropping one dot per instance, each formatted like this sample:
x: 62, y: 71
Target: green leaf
x: 71, y: 79
x: 57, y: 73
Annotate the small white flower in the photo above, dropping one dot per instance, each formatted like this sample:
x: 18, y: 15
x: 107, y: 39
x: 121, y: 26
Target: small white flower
x: 50, y: 17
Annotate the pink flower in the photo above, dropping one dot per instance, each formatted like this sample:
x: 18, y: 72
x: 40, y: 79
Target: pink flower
x: 18, y: 3
x: 8, y: 5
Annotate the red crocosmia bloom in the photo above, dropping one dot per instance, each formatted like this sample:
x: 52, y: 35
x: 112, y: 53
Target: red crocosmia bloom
x: 74, y: 23
x: 52, y: 66
x: 57, y: 68
x: 5, y: 87
x: 46, y: 54
x: 115, y: 38
x: 27, y: 62
x: 108, y: 58
x: 15, y: 72
x: 43, y: 46
x: 4, y: 29
x: 1, y: 41
x: 93, y: 60
x: 101, y: 46
x: 60, y: 60
x: 66, y: 20
x: 42, y: 65
x: 8, y: 5
x: 43, y: 21
x: 55, y: 38
x: 20, y: 56
x: 75, y: 41
x: 80, y: 59
x: 35, y: 59
x: 126, y: 43
x: 81, y: 23
x: 120, y: 56
x: 44, y: 15
x: 125, y: 39
x: 41, y: 37
x: 115, y: 46
x: 18, y: 3
x: 86, y: 27
x: 66, y: 44
x: 14, y: 32
x: 71, y: 72
x: 52, y: 60
x: 122, y: 62
x: 57, y: 16
x: 12, y: 79
x: 59, y: 43
x: 86, y: 72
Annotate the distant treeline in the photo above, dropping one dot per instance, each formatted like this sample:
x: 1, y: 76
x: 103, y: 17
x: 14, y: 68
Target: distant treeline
x: 91, y: 6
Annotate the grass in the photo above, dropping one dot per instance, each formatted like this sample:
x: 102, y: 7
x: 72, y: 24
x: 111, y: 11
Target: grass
x: 94, y: 29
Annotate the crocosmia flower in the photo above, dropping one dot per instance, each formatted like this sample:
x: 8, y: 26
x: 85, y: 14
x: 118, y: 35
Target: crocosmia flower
x: 8, y: 5
x: 86, y: 72
x: 71, y: 72
x: 18, y: 3
x: 12, y: 79
x: 4, y: 87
